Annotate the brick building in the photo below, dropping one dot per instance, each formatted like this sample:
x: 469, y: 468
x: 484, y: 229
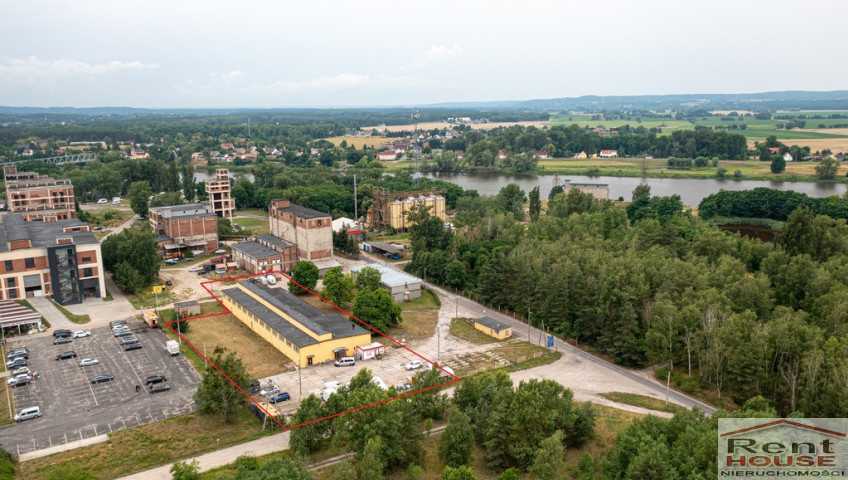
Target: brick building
x: 192, y: 226
x: 39, y: 197
x: 310, y: 230
x: 219, y: 193
x: 265, y: 253
x: 60, y: 257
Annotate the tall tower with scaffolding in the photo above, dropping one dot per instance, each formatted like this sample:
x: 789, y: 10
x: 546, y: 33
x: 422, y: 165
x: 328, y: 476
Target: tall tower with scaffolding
x: 391, y: 209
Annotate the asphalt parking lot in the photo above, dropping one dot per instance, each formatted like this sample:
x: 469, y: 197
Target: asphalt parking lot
x: 73, y: 408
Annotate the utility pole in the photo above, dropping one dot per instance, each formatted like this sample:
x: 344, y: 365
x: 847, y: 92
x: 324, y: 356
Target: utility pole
x: 355, y: 203
x: 528, y: 324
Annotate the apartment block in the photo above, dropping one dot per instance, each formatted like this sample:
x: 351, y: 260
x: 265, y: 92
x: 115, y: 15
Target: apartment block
x: 39, y: 197
x: 219, y: 191
x: 192, y: 226
x: 60, y: 258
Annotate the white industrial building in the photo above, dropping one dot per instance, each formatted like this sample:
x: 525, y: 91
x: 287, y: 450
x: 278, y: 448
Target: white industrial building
x: 401, y: 286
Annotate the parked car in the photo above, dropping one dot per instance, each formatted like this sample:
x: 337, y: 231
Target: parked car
x: 16, y: 355
x: 280, y: 397
x: 17, y: 352
x: 16, y: 377
x: 20, y: 381
x: 196, y: 268
x: 220, y: 250
x: 128, y: 340
x: 66, y: 355
x: 155, y: 379
x: 17, y: 363
x: 116, y: 323
x: 27, y: 413
x: 21, y: 370
x: 254, y: 387
x: 269, y: 390
x: 62, y: 333
x: 159, y: 387
x: 168, y: 283
x: 62, y: 340
x: 131, y: 347
x: 123, y: 332
x: 85, y: 362
x: 82, y: 333
x: 172, y: 261
x: 102, y: 201
x: 413, y: 365
x: 102, y: 378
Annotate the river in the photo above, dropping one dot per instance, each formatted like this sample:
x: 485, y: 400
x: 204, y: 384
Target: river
x: 691, y: 190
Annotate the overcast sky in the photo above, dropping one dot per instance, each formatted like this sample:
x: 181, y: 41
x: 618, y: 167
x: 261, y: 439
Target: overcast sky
x: 282, y: 53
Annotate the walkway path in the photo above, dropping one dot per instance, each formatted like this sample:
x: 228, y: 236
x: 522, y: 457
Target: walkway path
x: 54, y: 317
x: 219, y: 458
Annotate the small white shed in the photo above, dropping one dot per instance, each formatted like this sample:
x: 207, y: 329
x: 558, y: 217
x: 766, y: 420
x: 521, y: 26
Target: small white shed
x: 367, y: 352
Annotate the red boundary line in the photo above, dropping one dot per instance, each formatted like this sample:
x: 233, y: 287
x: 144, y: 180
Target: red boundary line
x: 228, y: 311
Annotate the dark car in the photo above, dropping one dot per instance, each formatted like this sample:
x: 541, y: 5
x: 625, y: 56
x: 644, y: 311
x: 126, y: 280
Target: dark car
x: 131, y: 347
x: 255, y: 386
x: 159, y: 387
x: 102, y: 378
x: 18, y: 354
x: 62, y: 333
x: 280, y: 397
x: 115, y: 323
x: 128, y: 340
x: 20, y: 362
x: 123, y: 333
x: 66, y: 355
x: 154, y: 379
x: 61, y: 340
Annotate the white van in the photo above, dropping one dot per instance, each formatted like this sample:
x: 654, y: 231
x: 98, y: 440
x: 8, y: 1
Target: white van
x: 345, y: 362
x: 27, y: 413
x: 116, y: 200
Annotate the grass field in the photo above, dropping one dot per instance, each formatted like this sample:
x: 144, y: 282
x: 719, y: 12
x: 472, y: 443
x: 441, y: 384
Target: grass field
x: 146, y: 446
x: 260, y: 359
x: 8, y: 403
x: 462, y: 328
x: 642, y: 401
x: 255, y: 225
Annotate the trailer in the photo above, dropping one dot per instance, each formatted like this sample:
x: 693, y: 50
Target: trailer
x: 150, y: 317
x: 172, y: 347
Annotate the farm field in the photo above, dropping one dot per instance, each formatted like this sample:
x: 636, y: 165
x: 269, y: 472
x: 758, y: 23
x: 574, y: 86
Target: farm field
x: 756, y: 130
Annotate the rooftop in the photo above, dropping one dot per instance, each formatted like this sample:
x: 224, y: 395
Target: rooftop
x: 187, y: 210
x: 496, y: 325
x: 275, y: 241
x: 41, y: 234
x: 310, y: 317
x: 278, y: 323
x: 302, y: 212
x: 254, y: 249
x: 388, y: 275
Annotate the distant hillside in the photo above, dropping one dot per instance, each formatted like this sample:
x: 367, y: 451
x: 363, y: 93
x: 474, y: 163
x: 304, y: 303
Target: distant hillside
x: 805, y: 100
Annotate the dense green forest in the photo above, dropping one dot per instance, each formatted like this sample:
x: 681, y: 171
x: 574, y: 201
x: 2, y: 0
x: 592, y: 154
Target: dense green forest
x: 651, y: 283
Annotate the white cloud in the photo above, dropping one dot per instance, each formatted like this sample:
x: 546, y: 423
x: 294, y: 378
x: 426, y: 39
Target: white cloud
x: 33, y: 67
x: 441, y: 52
x: 434, y: 54
x: 337, y: 82
x: 228, y: 78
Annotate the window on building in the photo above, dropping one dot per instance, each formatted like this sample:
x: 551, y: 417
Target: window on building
x: 87, y: 272
x: 86, y: 259
x: 29, y: 262
x: 9, y: 265
x: 13, y: 293
x: 11, y: 282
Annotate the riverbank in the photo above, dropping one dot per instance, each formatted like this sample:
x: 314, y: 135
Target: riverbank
x: 658, y: 168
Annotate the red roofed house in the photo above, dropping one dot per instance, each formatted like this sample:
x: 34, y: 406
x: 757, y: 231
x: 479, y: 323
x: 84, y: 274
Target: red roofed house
x: 501, y: 155
x: 228, y: 146
x: 608, y: 153
x: 541, y: 154
x: 774, y: 150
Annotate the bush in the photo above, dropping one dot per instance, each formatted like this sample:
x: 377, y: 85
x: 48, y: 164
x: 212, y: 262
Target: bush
x: 662, y: 373
x: 690, y: 385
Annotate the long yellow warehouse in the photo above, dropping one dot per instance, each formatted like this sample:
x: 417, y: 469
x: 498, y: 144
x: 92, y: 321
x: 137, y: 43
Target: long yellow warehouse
x: 300, y: 331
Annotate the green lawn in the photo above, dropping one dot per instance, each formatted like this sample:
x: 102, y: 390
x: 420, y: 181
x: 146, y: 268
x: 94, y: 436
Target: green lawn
x: 462, y: 328
x: 81, y: 319
x: 642, y: 401
x: 254, y: 225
